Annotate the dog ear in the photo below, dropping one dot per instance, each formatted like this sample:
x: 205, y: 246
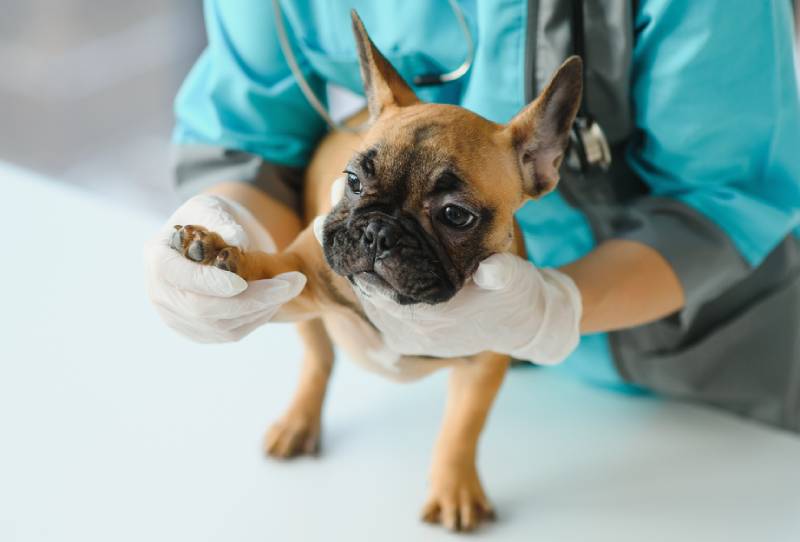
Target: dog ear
x: 540, y: 132
x: 383, y: 86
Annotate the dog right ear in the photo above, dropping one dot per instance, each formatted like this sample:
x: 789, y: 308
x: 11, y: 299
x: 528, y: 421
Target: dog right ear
x: 383, y: 86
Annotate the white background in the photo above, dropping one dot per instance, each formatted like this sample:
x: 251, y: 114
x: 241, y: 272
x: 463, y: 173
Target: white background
x: 113, y: 428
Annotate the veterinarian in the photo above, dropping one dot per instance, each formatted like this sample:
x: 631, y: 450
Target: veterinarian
x: 676, y: 216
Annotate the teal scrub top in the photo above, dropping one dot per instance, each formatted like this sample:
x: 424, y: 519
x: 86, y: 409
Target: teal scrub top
x: 714, y: 91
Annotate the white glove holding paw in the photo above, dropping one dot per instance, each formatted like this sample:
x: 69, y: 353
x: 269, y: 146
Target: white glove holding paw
x: 202, y: 302
x: 509, y: 306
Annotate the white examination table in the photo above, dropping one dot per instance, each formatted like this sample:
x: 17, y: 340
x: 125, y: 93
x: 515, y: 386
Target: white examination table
x: 114, y: 429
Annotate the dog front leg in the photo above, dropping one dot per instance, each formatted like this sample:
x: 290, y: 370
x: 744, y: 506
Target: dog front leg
x: 297, y: 432
x: 456, y: 497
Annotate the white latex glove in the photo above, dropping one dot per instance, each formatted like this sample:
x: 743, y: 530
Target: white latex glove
x: 509, y: 306
x: 204, y: 303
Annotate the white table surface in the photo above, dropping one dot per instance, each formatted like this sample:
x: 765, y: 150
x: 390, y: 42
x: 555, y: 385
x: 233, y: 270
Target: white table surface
x: 113, y: 428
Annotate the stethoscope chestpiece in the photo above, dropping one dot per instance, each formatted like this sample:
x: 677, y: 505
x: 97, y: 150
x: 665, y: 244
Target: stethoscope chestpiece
x: 589, y: 148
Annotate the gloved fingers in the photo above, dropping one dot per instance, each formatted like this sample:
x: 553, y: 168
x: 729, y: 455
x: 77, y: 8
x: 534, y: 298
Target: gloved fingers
x: 197, y: 330
x: 337, y: 193
x: 234, y: 222
x: 258, y: 238
x: 498, y: 271
x: 231, y: 325
x: 212, y: 330
x: 317, y: 226
x: 246, y: 327
x: 259, y: 296
x: 266, y: 296
x: 213, y: 213
x: 275, y: 291
x: 168, y: 265
x: 230, y: 329
x: 337, y: 190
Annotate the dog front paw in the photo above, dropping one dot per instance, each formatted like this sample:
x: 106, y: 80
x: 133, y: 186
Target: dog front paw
x: 296, y: 433
x: 456, y: 498
x: 206, y: 247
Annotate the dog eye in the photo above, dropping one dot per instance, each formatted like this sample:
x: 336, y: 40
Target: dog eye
x: 456, y: 217
x: 354, y: 183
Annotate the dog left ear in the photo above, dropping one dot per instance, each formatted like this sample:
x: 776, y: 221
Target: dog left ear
x: 383, y: 86
x: 540, y: 132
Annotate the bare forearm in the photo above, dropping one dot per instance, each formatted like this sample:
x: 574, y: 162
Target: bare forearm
x: 624, y: 284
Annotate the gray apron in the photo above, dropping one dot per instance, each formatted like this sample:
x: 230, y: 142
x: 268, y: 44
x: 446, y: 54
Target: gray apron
x: 736, y: 343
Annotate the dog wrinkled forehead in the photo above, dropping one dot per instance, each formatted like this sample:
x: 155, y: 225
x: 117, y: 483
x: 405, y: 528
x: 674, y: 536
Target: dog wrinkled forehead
x: 401, y: 170
x: 417, y: 144
x: 446, y: 126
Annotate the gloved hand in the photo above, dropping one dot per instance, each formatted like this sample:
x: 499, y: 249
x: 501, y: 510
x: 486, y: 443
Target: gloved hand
x: 204, y: 303
x: 509, y: 306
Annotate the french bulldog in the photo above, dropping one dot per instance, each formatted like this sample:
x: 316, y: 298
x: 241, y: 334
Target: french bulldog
x: 430, y: 193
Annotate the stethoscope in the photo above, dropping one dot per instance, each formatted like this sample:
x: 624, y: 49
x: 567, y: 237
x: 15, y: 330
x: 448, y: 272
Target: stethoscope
x: 588, y: 142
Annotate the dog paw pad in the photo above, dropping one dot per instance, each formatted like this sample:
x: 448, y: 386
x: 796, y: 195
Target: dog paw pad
x: 227, y: 259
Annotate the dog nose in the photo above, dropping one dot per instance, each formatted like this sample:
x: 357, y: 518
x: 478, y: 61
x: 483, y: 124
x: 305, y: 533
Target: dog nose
x: 381, y: 236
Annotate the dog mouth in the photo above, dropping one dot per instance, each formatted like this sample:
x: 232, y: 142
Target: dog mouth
x: 410, y: 270
x: 372, y: 284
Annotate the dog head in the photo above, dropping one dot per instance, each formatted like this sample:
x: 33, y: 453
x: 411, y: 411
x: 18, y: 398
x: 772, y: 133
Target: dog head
x: 434, y: 187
